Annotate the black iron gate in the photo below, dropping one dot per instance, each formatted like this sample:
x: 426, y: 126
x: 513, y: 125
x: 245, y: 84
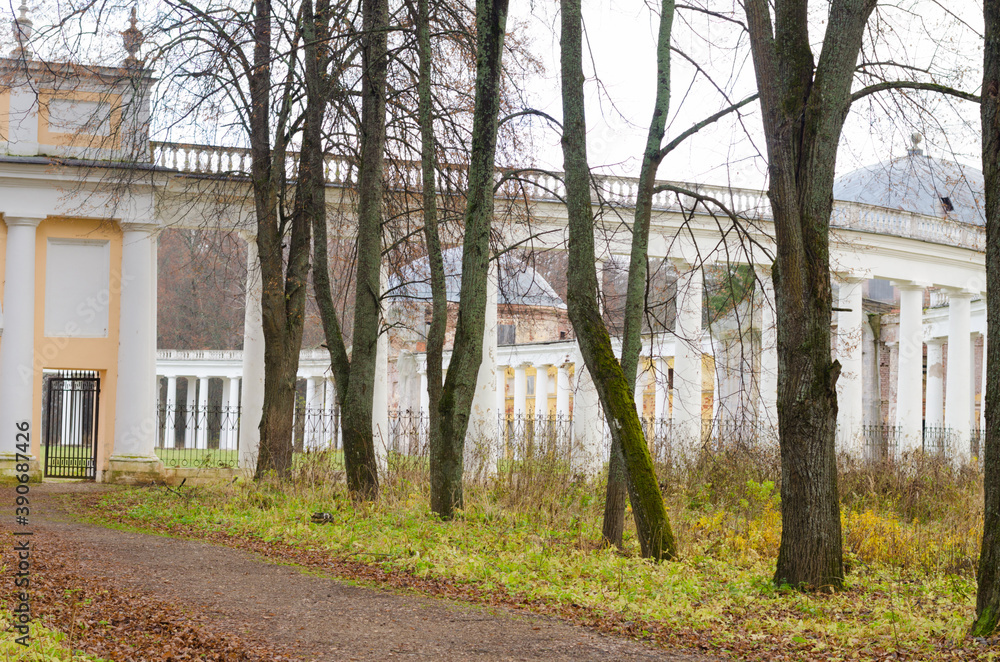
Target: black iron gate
x: 72, y: 400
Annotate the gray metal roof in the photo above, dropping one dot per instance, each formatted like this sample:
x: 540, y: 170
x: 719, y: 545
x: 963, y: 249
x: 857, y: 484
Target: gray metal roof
x: 917, y: 183
x: 519, y: 283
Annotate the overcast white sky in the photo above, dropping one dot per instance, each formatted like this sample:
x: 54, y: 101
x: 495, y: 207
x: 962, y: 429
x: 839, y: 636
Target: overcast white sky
x: 622, y: 35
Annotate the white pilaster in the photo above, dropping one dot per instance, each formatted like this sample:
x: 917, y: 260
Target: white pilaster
x: 202, y: 412
x: 542, y: 391
x: 850, y: 390
x: 252, y: 398
x: 687, y: 423
x: 18, y: 343
x: 909, y: 414
x: 935, y: 383
x: 135, y: 402
x: 958, y: 400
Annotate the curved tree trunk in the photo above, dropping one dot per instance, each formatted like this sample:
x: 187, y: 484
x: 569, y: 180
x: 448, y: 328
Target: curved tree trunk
x: 988, y: 594
x: 655, y: 536
x: 638, y: 270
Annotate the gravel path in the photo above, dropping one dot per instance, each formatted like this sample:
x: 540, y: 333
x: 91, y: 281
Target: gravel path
x: 309, y: 615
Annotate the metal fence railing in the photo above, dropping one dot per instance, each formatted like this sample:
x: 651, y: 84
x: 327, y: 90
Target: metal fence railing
x: 880, y: 442
x: 938, y: 440
x: 198, y: 436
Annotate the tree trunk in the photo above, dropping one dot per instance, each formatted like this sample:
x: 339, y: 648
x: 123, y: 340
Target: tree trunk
x: 617, y: 399
x: 439, y: 452
x: 988, y: 595
x: 804, y: 106
x: 638, y: 271
x: 356, y: 403
x: 283, y: 283
x: 455, y: 405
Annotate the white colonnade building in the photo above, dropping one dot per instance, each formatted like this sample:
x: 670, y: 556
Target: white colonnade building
x: 921, y: 274
x: 78, y: 253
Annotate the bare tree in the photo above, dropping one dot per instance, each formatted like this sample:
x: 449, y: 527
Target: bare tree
x: 988, y: 595
x: 613, y: 386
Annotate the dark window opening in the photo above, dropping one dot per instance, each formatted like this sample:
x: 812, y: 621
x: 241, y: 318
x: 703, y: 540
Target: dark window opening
x: 946, y: 201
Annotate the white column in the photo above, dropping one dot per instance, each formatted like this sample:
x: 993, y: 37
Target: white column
x: 600, y: 286
x: 135, y: 402
x: 425, y: 398
x: 190, y: 412
x: 332, y: 428
x: 252, y: 400
x: 562, y: 391
x: 169, y: 426
x: 17, y: 346
x: 687, y: 424
x: 973, y: 337
x: 909, y: 376
x: 481, y: 440
x: 223, y: 409
x: 380, y: 394
x: 958, y: 396
x: 230, y: 414
x: 520, y: 391
x: 202, y: 412
x: 640, y: 390
x: 502, y: 390
x: 661, y: 374
x: 934, y: 417
x: 982, y: 394
x: 850, y: 390
x: 588, y: 430
x: 767, y: 408
x: 542, y: 390
x: 314, y: 413
x: 719, y: 358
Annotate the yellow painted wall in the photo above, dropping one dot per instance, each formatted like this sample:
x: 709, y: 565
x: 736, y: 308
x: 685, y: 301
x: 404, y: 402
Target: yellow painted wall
x: 100, y: 354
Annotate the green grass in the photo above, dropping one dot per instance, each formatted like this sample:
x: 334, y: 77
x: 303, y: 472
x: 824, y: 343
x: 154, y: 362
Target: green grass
x: 535, y: 536
x: 45, y: 645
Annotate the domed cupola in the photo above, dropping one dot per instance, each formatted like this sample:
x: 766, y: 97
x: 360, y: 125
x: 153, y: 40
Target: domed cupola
x: 918, y: 183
